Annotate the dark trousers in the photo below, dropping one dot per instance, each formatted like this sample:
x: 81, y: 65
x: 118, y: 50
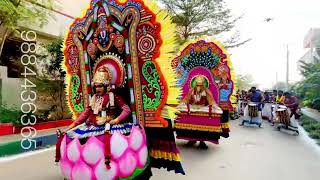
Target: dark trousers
x: 294, y: 112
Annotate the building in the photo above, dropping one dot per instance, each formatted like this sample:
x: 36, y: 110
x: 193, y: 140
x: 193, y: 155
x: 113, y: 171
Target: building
x: 312, y: 43
x: 10, y: 65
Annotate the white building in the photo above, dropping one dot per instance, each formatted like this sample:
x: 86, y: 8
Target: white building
x: 10, y: 84
x: 312, y: 43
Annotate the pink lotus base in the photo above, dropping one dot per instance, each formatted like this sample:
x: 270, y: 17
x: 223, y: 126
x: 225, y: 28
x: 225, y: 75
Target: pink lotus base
x: 86, y: 162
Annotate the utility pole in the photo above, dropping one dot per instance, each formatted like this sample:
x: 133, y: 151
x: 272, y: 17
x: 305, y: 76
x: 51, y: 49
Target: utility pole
x: 277, y: 81
x: 287, y: 72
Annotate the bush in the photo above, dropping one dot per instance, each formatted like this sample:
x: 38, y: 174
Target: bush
x: 10, y: 115
x: 316, y: 104
x: 315, y: 134
x: 311, y: 126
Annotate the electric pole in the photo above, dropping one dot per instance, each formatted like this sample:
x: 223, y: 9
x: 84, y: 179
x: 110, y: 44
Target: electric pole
x: 287, y: 71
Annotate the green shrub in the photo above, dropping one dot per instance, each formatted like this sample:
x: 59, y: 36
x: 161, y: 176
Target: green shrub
x: 10, y: 115
x: 312, y: 127
x: 315, y: 134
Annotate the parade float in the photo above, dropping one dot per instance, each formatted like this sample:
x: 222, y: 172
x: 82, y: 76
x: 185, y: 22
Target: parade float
x: 205, y: 76
x: 117, y: 92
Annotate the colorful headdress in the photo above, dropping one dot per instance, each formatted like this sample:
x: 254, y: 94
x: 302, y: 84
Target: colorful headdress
x: 200, y: 80
x: 131, y: 39
x: 102, y: 76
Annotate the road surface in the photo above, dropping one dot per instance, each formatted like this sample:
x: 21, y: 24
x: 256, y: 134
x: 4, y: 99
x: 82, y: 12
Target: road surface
x: 250, y: 153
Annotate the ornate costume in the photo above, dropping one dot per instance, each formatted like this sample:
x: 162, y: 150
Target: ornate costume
x: 118, y: 94
x: 202, y: 67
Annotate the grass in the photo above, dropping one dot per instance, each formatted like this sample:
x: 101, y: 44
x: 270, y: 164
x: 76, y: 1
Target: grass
x: 312, y: 127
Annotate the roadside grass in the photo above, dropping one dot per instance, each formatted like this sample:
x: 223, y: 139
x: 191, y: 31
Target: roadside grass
x: 312, y: 127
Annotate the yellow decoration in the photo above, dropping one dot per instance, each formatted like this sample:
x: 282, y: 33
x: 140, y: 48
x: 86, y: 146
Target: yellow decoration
x: 164, y: 60
x: 229, y: 63
x: 198, y: 127
x: 225, y: 125
x: 102, y: 76
x: 157, y: 154
x: 166, y: 54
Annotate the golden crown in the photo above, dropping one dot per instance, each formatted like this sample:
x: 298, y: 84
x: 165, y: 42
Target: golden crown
x: 200, y: 79
x: 102, y: 76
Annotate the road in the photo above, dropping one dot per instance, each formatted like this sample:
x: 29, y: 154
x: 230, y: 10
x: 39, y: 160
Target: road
x: 250, y: 153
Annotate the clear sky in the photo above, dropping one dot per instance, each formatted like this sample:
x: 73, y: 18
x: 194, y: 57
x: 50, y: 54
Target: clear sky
x: 265, y: 54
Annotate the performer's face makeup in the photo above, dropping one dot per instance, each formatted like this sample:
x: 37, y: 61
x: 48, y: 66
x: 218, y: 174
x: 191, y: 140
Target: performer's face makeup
x: 100, y: 91
x: 198, y: 88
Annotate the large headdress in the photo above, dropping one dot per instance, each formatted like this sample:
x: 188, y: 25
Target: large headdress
x: 202, y: 59
x: 128, y: 40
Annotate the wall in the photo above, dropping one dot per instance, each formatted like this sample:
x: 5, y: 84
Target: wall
x: 10, y: 90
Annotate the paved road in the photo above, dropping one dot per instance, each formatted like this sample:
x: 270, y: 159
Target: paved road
x: 249, y: 154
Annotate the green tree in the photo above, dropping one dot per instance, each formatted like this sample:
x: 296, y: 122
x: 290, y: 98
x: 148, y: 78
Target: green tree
x: 309, y: 88
x: 51, y: 81
x: 244, y: 82
x: 195, y: 18
x: 17, y: 12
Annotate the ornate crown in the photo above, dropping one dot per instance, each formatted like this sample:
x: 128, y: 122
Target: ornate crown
x: 102, y: 76
x: 200, y: 79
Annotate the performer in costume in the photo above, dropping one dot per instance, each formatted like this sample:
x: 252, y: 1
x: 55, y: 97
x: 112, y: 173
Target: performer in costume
x: 199, y: 96
x: 226, y: 87
x: 102, y: 106
x: 204, y: 76
x: 123, y: 126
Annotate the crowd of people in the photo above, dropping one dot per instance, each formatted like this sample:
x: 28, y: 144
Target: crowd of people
x: 260, y: 99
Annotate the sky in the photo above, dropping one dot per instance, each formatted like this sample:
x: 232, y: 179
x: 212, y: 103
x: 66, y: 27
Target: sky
x: 265, y: 55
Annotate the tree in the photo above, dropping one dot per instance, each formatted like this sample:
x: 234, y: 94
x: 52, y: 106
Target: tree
x: 244, y: 82
x: 195, y: 18
x: 51, y: 81
x: 16, y: 12
x: 309, y: 88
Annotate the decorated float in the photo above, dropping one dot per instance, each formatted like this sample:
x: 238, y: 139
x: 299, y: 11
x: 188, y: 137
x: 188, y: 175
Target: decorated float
x: 117, y: 92
x: 204, y: 73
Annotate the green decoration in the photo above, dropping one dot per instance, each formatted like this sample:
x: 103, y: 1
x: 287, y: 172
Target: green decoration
x: 75, y: 85
x: 195, y: 59
x: 150, y: 73
x: 193, y: 83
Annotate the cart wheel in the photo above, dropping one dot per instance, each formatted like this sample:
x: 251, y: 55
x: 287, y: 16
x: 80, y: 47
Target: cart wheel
x: 278, y: 128
x: 297, y: 133
x: 260, y: 126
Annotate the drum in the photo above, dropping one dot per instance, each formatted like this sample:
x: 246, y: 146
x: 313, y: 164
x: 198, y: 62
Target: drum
x: 243, y: 104
x: 253, y: 110
x: 282, y: 107
x: 283, y: 116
